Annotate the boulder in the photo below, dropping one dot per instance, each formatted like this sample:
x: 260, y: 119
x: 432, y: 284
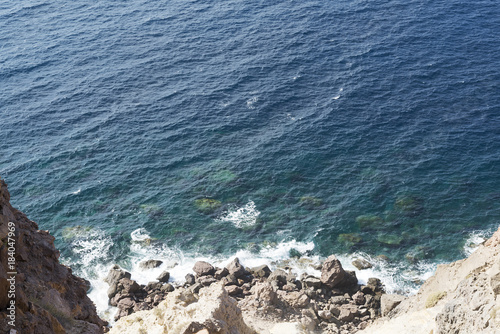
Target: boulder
x: 115, y: 274
x: 150, y: 264
x: 388, y: 302
x: 164, y: 277
x: 202, y: 268
x: 236, y: 269
x: 332, y: 273
x: 279, y: 276
x: 261, y: 271
x: 185, y: 312
x: 361, y: 264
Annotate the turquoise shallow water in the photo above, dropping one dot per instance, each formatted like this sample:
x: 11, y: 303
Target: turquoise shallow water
x: 348, y: 127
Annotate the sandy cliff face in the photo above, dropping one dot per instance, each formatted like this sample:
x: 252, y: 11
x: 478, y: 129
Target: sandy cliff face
x: 462, y: 297
x: 48, y: 297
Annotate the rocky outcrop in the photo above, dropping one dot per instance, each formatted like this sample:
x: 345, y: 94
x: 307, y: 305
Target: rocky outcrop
x: 270, y: 302
x: 183, y: 312
x: 49, y: 298
x: 461, y: 297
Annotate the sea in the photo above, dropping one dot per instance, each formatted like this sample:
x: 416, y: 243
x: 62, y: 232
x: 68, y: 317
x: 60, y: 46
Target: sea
x: 278, y: 132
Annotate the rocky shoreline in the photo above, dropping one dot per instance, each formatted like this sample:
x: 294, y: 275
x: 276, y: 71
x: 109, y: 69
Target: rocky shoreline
x: 332, y: 303
x: 462, y: 297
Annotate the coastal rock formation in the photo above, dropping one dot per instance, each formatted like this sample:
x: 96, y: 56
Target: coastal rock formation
x: 461, y: 297
x: 49, y: 298
x: 269, y: 302
x: 183, y: 312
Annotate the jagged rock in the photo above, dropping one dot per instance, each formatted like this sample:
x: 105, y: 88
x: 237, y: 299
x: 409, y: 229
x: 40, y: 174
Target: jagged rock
x: 115, y: 274
x: 236, y: 269
x: 388, y: 302
x: 347, y: 313
x: 185, y: 312
x: 221, y: 273
x: 127, y: 286
x: 150, y: 264
x: 164, y: 277
x: 233, y: 290
x: 359, y: 298
x: 49, y: 298
x: 332, y: 272
x: 261, y: 271
x: 339, y: 300
x: 312, y: 282
x: 279, y: 276
x: 167, y: 288
x: 361, y: 264
x: 325, y: 314
x: 206, y: 280
x: 202, y: 268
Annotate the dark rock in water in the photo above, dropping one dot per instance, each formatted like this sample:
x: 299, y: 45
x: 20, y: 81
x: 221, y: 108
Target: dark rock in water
x: 115, y: 274
x: 375, y: 284
x: 202, y: 268
x: 361, y: 264
x: 190, y: 280
x: 150, y: 264
x: 349, y: 239
x: 409, y: 205
x: 236, y: 269
x: 261, y: 271
x: 332, y: 272
x: 349, y: 280
x: 207, y: 205
x: 164, y: 277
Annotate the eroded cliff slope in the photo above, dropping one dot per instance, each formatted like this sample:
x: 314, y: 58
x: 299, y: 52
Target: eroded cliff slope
x: 48, y: 297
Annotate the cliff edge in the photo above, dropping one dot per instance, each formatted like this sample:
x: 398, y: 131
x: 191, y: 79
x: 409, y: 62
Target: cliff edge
x: 37, y: 293
x: 461, y: 297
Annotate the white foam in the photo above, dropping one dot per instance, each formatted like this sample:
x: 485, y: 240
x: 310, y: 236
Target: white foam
x: 475, y: 239
x: 251, y: 101
x: 241, y: 217
x: 77, y: 192
x: 92, y: 254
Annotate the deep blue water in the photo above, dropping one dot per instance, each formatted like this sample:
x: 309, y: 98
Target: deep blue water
x: 119, y: 115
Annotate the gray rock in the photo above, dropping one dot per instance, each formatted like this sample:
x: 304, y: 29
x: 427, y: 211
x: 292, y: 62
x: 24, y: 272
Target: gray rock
x: 279, y: 276
x: 202, y: 268
x: 332, y: 272
x: 129, y: 286
x: 339, y: 300
x: 312, y: 282
x: 115, y: 274
x: 220, y: 273
x: 389, y: 301
x: 190, y: 280
x: 361, y: 264
x: 359, y: 298
x: 167, y: 288
x: 325, y: 314
x: 261, y: 271
x: 206, y: 280
x: 347, y: 314
x: 150, y: 264
x: 164, y: 277
x: 234, y: 290
x: 235, y: 268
